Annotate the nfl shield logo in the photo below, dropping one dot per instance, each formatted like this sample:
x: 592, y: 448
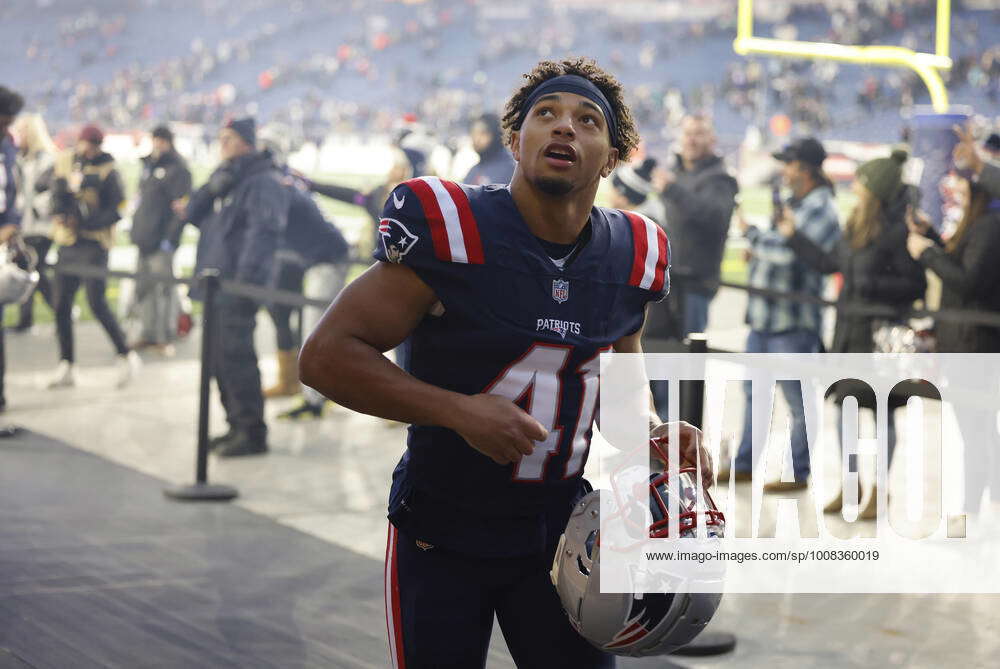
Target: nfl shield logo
x: 560, y: 290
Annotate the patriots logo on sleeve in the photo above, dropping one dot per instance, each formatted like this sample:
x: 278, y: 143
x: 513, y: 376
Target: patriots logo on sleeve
x: 396, y: 239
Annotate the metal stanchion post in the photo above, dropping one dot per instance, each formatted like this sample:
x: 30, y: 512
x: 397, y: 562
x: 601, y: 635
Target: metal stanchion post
x: 692, y: 410
x: 693, y: 392
x: 202, y: 490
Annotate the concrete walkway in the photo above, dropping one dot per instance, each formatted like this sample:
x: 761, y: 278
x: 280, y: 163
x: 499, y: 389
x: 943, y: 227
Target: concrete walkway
x: 329, y: 480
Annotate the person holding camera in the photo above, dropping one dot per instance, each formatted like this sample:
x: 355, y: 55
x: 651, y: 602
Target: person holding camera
x: 86, y: 197
x: 787, y: 326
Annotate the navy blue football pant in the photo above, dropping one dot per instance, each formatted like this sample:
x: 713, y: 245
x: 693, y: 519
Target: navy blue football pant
x: 440, y: 607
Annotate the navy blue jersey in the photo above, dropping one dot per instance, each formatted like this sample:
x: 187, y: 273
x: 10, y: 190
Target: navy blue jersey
x: 513, y: 324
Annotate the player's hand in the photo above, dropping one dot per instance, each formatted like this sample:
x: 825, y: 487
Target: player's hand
x: 7, y: 231
x: 691, y: 449
x: 179, y: 207
x: 498, y: 428
x: 965, y: 154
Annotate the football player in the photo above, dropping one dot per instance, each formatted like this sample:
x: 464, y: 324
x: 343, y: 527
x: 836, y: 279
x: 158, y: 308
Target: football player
x: 506, y: 296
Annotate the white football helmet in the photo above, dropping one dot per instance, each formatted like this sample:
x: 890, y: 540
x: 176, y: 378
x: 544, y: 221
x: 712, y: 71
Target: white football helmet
x: 634, y: 624
x: 16, y: 283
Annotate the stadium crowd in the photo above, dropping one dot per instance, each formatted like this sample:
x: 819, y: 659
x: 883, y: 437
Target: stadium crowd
x: 446, y: 62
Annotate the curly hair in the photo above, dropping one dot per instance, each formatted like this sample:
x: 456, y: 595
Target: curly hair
x: 628, y: 136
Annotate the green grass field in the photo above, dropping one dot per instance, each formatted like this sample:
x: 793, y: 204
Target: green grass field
x: 755, y: 203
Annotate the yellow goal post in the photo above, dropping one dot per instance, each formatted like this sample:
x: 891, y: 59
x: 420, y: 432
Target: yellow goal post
x: 927, y: 65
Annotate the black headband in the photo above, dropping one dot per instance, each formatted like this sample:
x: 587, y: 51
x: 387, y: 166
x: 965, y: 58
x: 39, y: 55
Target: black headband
x: 572, y: 83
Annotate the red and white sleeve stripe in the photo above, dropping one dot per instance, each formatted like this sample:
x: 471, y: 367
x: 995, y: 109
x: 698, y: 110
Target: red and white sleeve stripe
x: 651, y: 257
x: 453, y: 228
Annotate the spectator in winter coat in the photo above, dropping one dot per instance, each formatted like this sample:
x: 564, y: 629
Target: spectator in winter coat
x: 699, y: 195
x: 241, y: 212
x: 156, y: 232
x: 35, y: 161
x: 871, y: 255
x: 970, y: 278
x: 86, y: 198
x: 307, y: 239
x: 373, y: 200
x: 496, y: 165
x: 331, y: 279
x: 968, y: 268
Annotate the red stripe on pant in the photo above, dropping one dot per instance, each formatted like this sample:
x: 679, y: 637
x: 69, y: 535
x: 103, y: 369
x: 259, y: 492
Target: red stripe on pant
x: 392, y: 618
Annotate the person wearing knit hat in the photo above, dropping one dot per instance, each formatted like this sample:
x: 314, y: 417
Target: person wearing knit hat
x: 86, y: 201
x: 92, y: 134
x: 883, y: 177
x: 245, y: 128
x: 631, y: 188
x: 632, y: 184
x: 245, y: 194
x: 163, y: 132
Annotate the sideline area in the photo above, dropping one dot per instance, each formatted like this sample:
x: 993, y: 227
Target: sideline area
x: 97, y: 568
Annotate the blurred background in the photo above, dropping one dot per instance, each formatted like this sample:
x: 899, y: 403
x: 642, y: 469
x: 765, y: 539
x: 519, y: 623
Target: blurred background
x: 340, y: 90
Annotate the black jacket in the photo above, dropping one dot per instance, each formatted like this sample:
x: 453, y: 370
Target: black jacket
x: 241, y: 212
x: 163, y: 180
x: 880, y: 274
x: 371, y: 201
x: 970, y: 278
x: 699, y: 206
x: 308, y: 235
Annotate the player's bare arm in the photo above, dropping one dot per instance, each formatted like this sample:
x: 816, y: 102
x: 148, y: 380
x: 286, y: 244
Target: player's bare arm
x: 691, y: 448
x: 343, y: 359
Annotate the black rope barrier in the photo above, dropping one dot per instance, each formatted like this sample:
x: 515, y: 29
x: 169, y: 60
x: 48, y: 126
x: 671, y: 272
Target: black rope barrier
x: 213, y: 285
x: 267, y: 295
x: 968, y: 316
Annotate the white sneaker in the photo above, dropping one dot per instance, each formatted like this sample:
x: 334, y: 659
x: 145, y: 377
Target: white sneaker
x: 64, y: 377
x: 128, y: 365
